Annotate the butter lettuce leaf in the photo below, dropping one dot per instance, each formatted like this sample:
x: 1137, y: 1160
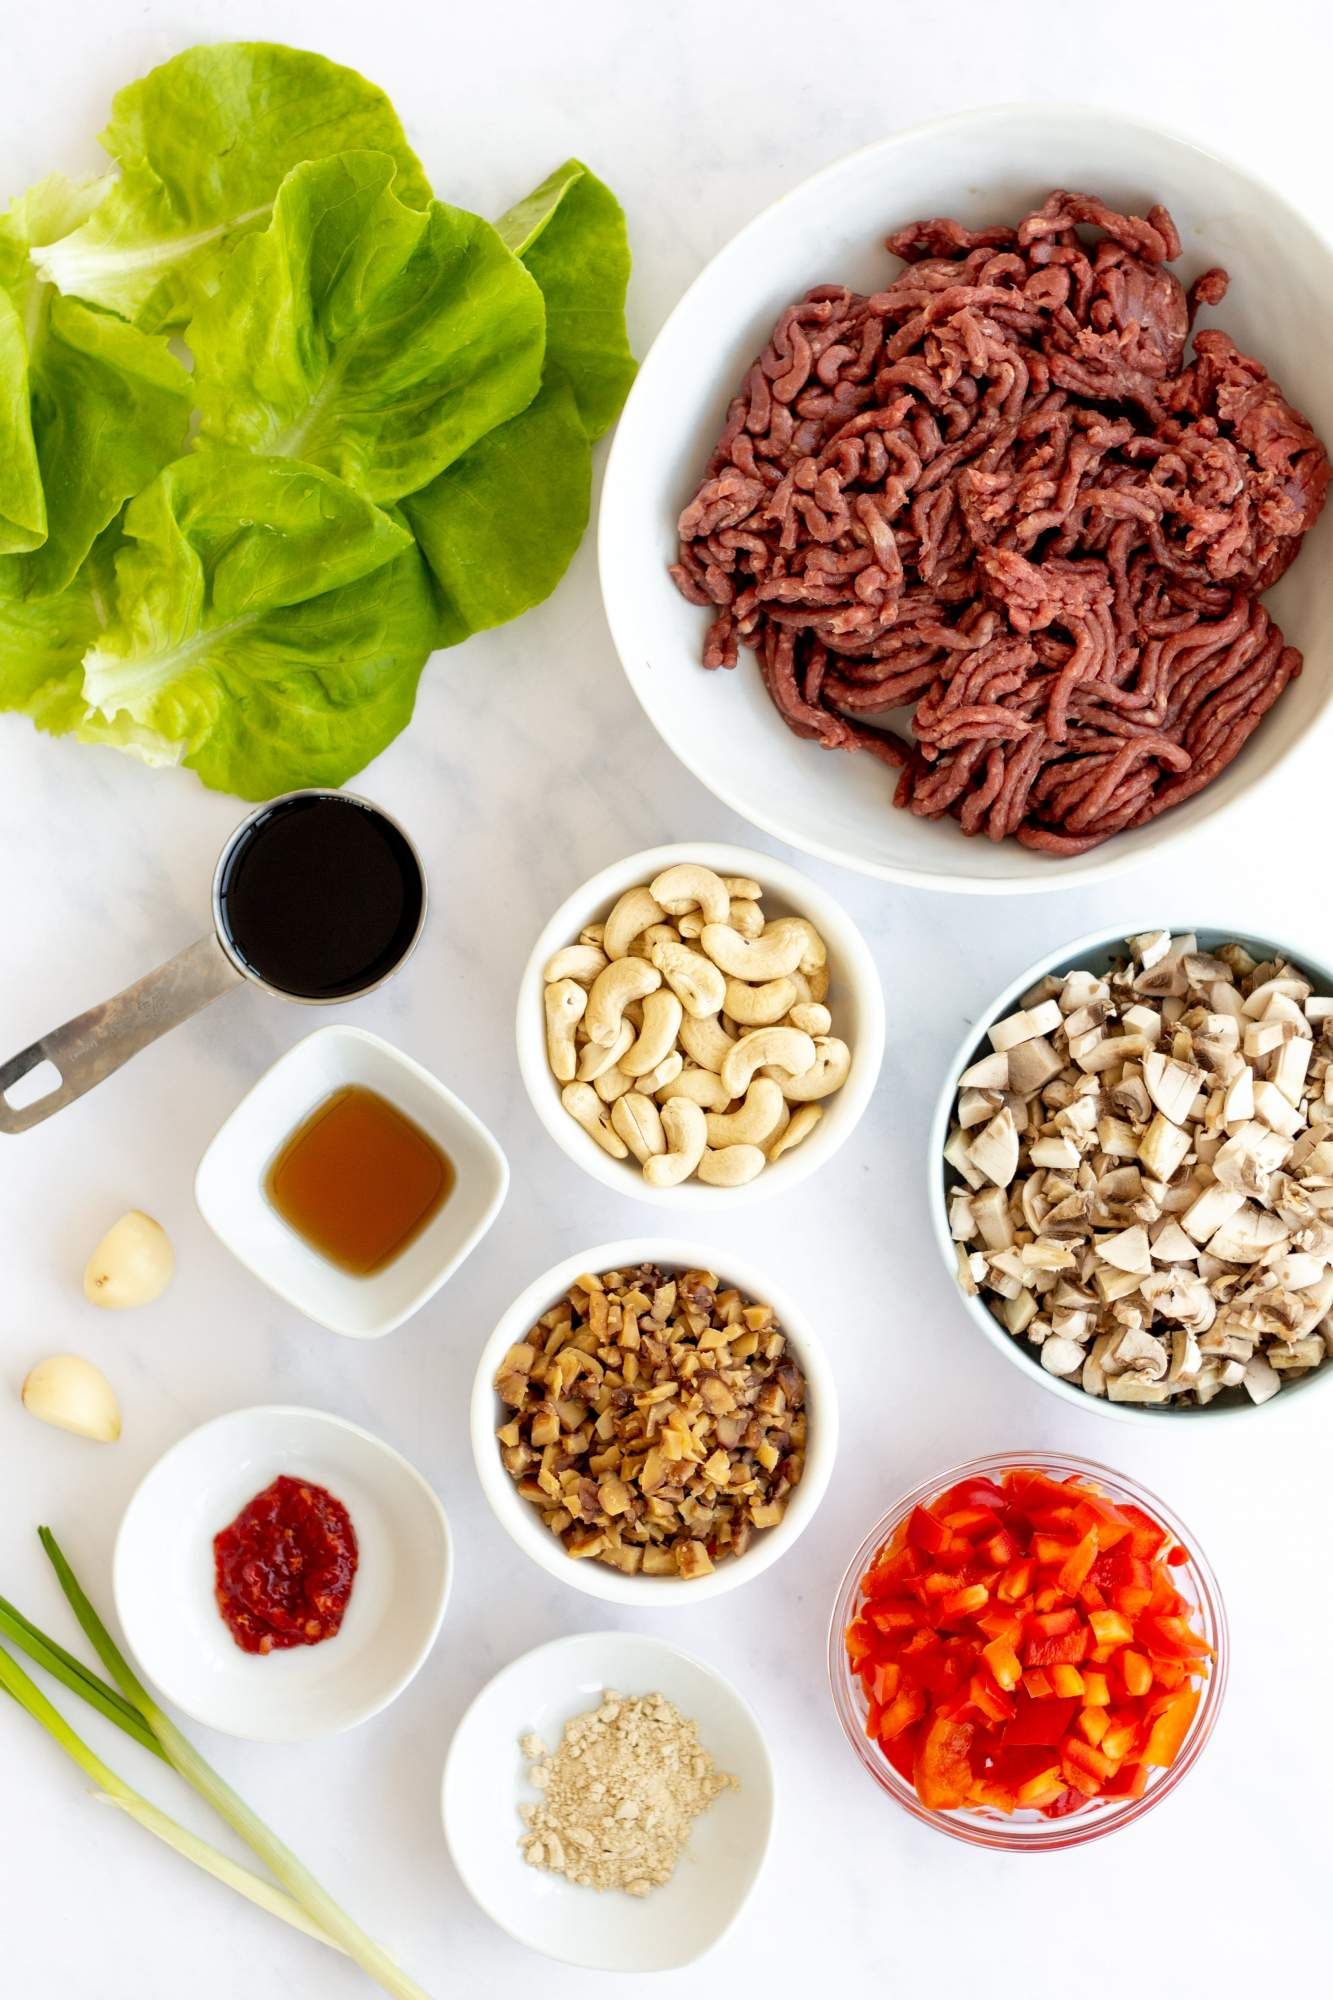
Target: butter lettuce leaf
x: 267, y: 628
x: 203, y: 144
x: 570, y: 232
x: 365, y: 336
x: 500, y: 527
x: 109, y: 405
x: 22, y: 501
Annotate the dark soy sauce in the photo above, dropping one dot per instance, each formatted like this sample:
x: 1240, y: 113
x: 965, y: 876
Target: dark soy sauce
x: 321, y: 897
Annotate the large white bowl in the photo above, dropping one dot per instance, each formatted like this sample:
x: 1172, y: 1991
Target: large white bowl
x: 485, y: 1779
x: 521, y: 1519
x: 982, y: 166
x: 1093, y: 953
x: 163, y: 1575
x: 856, y: 1002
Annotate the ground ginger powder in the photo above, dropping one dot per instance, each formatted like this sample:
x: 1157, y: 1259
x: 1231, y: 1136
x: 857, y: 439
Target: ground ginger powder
x: 619, y: 1795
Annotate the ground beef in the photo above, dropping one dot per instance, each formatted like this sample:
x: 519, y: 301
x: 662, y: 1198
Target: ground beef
x: 998, y: 494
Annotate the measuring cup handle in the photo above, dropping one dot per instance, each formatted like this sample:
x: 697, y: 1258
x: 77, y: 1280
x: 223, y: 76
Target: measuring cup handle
x: 92, y: 1045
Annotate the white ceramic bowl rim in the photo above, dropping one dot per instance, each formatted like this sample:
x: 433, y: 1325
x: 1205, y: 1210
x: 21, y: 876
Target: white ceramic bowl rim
x: 1105, y: 939
x: 855, y: 969
x: 630, y: 618
x: 521, y: 1519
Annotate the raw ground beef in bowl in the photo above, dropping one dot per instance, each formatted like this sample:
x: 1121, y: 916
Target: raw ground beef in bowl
x: 1005, y: 525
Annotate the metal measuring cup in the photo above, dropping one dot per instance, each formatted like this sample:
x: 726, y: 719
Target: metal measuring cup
x: 89, y: 1048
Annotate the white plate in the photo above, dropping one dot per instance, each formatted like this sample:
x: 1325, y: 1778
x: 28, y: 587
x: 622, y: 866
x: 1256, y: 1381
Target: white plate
x: 981, y: 166
x: 485, y: 1779
x: 229, y: 1185
x: 163, y: 1576
x: 856, y: 1001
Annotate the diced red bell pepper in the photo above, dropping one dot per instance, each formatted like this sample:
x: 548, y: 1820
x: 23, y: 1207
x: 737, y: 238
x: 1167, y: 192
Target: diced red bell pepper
x: 1066, y: 1681
x: 963, y: 1603
x: 943, y: 1772
x: 1043, y: 1722
x: 1000, y: 1549
x: 989, y: 1700
x: 1171, y: 1727
x: 908, y: 1706
x: 1054, y: 1638
x: 1016, y: 1582
x: 972, y: 1493
x: 972, y: 1523
x: 1003, y: 1662
x: 1146, y: 1535
x: 887, y: 1678
x: 1078, y: 1563
x: 926, y: 1531
x: 1172, y: 1639
x: 1096, y: 1688
x: 1092, y: 1724
x: 1129, y: 1782
x: 1037, y: 1683
x: 1135, y: 1671
x: 1177, y: 1556
x: 901, y: 1752
x: 1110, y: 1628
x: 1084, y: 1756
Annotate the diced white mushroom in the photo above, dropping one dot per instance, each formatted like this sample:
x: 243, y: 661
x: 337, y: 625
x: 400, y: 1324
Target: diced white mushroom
x: 1275, y: 1108
x: 1129, y: 1250
x: 1025, y: 1026
x: 1261, y: 1380
x: 990, y: 1073
x: 1172, y: 1086
x: 1163, y: 1147
x: 1061, y: 1357
x: 1170, y: 1245
x: 991, y: 1209
x: 1216, y: 1205
x: 1248, y: 1234
x: 993, y: 1151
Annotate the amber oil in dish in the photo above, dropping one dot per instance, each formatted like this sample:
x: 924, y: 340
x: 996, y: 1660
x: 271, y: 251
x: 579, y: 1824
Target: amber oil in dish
x: 358, y: 1181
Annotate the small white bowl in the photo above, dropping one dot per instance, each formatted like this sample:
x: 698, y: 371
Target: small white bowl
x: 1092, y: 953
x: 485, y: 1780
x: 521, y: 1519
x: 163, y: 1576
x: 983, y: 166
x: 229, y: 1185
x: 856, y: 1002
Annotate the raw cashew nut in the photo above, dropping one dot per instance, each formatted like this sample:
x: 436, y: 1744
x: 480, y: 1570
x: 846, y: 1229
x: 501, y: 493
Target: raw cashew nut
x: 634, y: 912
x: 639, y: 1123
x: 595, y: 1061
x: 803, y: 1123
x: 690, y: 886
x: 655, y: 934
x: 565, y: 1004
x: 828, y: 1072
x: 706, y: 1042
x: 759, y: 1006
x: 771, y: 956
x: 686, y: 1133
x: 757, y: 1120
x: 592, y: 934
x: 784, y: 1049
x: 662, y: 1016
x: 819, y: 985
x: 694, y: 979
x: 666, y: 1072
x: 743, y: 916
x: 815, y: 952
x: 625, y: 979
x: 743, y: 888
x: 580, y: 1101
x: 700, y: 1085
x: 811, y: 1018
x: 731, y: 1166
x: 612, y: 1083
x: 581, y: 962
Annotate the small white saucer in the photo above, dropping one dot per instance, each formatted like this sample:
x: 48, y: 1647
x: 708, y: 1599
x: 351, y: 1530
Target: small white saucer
x: 163, y: 1576
x: 229, y: 1185
x: 485, y: 1780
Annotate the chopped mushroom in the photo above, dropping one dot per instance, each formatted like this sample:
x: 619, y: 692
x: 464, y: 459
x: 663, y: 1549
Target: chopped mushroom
x: 1147, y: 1156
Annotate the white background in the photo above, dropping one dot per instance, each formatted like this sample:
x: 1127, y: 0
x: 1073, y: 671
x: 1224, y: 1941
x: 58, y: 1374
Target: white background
x: 528, y: 766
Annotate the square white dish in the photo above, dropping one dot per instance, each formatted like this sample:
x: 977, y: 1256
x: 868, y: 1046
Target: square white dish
x: 229, y: 1184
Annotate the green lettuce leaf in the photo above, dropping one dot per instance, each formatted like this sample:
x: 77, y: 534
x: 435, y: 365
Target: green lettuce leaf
x: 22, y: 501
x: 366, y: 336
x: 570, y: 232
x: 268, y: 628
x: 203, y: 143
x: 110, y: 405
x: 500, y: 527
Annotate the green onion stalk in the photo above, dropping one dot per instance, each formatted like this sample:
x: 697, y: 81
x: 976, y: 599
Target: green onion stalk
x: 299, y: 1900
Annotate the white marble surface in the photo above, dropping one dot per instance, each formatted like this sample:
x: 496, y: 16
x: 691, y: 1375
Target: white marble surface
x: 697, y: 114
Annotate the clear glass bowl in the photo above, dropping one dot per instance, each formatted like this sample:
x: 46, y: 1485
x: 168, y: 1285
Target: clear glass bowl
x: 1028, y: 1830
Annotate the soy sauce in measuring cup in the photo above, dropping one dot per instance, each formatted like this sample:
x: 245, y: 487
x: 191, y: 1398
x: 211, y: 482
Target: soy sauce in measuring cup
x: 320, y: 896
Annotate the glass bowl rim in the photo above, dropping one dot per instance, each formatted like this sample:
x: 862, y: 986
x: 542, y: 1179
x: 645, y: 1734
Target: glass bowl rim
x: 1088, y: 1823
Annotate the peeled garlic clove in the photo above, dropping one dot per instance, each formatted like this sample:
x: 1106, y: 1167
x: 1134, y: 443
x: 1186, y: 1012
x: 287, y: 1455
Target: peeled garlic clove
x: 74, y: 1396
x: 132, y: 1265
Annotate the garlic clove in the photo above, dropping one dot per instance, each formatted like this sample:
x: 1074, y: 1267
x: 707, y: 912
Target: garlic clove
x: 132, y: 1265
x: 72, y: 1394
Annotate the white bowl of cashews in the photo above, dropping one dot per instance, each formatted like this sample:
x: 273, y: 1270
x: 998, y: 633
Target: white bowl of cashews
x: 715, y: 1046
